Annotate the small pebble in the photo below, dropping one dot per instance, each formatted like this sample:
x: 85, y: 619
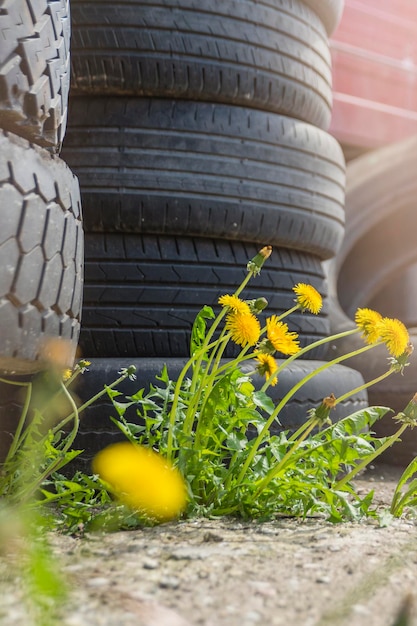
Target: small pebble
x: 210, y: 536
x: 252, y: 617
x: 150, y: 564
x: 98, y: 582
x: 169, y: 582
x: 324, y: 580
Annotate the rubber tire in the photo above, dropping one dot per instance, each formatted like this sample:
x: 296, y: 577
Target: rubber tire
x: 41, y: 253
x: 97, y: 431
x: 379, y: 244
x: 398, y: 297
x: 329, y: 11
x: 35, y: 69
x: 394, y: 392
x: 206, y: 170
x: 142, y: 292
x: 377, y: 259
x: 273, y: 57
x: 380, y: 222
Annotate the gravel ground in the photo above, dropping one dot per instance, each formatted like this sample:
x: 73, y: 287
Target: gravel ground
x: 229, y: 573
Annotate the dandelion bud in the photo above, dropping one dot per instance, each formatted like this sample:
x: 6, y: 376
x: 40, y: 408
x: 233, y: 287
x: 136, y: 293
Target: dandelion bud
x: 255, y: 264
x: 258, y: 305
x: 322, y: 412
x: 82, y: 365
x: 399, y: 363
x: 409, y: 415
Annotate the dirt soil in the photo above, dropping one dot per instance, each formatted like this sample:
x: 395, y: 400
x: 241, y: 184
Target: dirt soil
x: 230, y: 573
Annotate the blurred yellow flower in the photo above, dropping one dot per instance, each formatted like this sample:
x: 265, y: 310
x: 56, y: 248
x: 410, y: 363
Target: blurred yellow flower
x: 280, y: 337
x: 234, y: 303
x: 308, y: 298
x: 142, y: 479
x: 244, y: 328
x: 369, y: 322
x: 267, y: 366
x: 395, y: 336
x: 66, y: 374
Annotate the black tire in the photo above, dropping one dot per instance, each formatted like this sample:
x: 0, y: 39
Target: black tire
x: 35, y: 69
x: 273, y: 57
x: 142, y: 293
x: 97, y: 430
x: 208, y: 170
x: 41, y: 254
x: 329, y: 11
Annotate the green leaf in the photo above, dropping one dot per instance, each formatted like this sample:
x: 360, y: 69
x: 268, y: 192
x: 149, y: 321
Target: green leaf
x: 198, y: 333
x: 358, y: 422
x: 261, y: 399
x: 236, y: 441
x: 164, y: 375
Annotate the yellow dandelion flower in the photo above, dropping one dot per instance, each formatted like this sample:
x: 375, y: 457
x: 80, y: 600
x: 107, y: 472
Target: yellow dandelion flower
x: 308, y: 298
x: 142, y: 480
x: 395, y: 336
x: 267, y: 366
x: 66, y: 375
x: 235, y: 304
x: 280, y: 337
x: 244, y: 328
x: 369, y: 322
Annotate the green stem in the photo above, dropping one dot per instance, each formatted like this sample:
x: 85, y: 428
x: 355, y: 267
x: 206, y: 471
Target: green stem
x: 197, y: 357
x: 374, y: 381
x: 313, y: 422
x: 243, y: 283
x: 51, y: 400
x: 397, y: 498
x: 76, y: 412
x: 368, y: 459
x: 206, y: 378
x: 209, y: 386
x: 216, y: 323
x: 88, y: 403
x: 299, y: 431
x: 319, y: 342
x: 27, y: 492
x: 174, y: 406
x: 17, y: 440
x: 287, y: 397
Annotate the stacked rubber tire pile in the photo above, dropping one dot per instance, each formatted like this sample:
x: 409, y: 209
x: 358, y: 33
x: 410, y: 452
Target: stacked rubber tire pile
x: 376, y: 268
x: 198, y: 133
x: 41, y: 234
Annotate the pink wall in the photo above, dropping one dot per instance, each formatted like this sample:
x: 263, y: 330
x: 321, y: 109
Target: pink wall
x: 374, y: 55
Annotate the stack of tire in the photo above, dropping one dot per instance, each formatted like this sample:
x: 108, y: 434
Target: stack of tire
x: 376, y: 267
x: 198, y: 133
x: 41, y: 233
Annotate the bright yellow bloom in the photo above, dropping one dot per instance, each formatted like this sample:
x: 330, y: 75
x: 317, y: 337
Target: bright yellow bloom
x: 234, y: 303
x: 142, y: 480
x: 395, y: 336
x: 369, y: 322
x: 280, y: 337
x: 267, y: 366
x: 308, y: 298
x: 244, y: 328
